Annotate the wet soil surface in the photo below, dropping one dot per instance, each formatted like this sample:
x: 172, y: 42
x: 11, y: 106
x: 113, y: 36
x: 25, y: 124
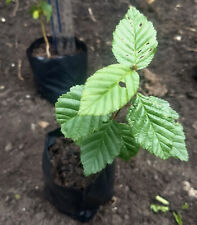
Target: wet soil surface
x: 67, y: 170
x: 25, y: 117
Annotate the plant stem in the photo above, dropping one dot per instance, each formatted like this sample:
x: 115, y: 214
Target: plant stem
x: 115, y: 114
x: 45, y: 37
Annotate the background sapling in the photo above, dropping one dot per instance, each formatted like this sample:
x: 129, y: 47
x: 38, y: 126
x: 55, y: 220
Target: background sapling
x: 87, y: 113
x: 61, y: 24
x: 42, y: 10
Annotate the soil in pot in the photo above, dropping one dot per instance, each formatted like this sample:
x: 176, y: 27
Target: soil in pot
x: 65, y: 185
x: 40, y: 50
x: 66, y: 168
x: 56, y: 75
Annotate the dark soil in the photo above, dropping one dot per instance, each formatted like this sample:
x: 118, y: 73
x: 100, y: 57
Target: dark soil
x: 67, y: 169
x: 69, y: 49
x: 41, y: 51
x: 25, y: 117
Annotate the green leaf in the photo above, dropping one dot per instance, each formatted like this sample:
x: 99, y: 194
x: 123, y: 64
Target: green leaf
x: 35, y: 14
x: 153, y: 125
x: 68, y: 104
x: 35, y: 11
x: 129, y: 147
x: 178, y: 218
x: 72, y: 125
x: 159, y: 208
x: 81, y: 126
x: 178, y: 146
x: 46, y: 9
x: 100, y: 148
x: 134, y: 43
x: 108, y: 90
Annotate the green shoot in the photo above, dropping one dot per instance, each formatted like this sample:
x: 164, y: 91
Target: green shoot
x: 159, y: 208
x: 162, y: 200
x: 178, y: 218
x: 185, y: 206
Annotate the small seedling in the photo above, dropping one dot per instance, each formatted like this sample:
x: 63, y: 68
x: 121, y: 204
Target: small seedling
x: 178, y: 218
x: 40, y: 11
x: 87, y: 113
x: 159, y: 208
x: 162, y: 200
x: 185, y: 206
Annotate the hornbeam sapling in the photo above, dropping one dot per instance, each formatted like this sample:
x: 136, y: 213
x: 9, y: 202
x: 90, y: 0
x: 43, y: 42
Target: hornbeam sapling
x: 87, y: 113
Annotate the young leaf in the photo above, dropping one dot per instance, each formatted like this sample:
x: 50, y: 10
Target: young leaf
x: 108, y: 90
x: 35, y: 14
x: 134, y: 42
x: 129, y: 147
x: 153, y: 125
x: 178, y: 218
x: 159, y: 208
x: 100, y: 148
x: 72, y: 125
x: 46, y: 9
x: 35, y: 11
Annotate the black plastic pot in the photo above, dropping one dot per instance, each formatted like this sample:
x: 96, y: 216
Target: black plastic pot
x: 55, y: 76
x: 195, y: 73
x: 79, y: 204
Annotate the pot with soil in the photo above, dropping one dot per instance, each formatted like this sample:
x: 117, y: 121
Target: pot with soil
x: 88, y: 114
x: 57, y: 62
x: 56, y: 74
x: 66, y: 187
